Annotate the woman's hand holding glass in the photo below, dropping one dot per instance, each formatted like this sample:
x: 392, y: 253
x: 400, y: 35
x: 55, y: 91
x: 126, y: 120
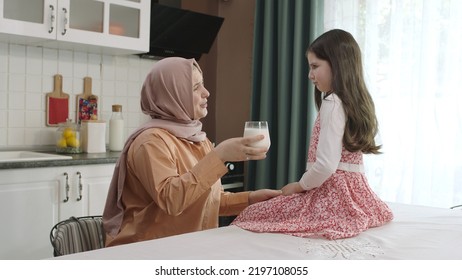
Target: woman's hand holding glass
x: 240, y: 149
x: 253, y: 146
x: 252, y: 128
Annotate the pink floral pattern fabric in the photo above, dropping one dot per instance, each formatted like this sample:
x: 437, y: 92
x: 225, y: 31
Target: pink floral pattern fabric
x: 343, y: 206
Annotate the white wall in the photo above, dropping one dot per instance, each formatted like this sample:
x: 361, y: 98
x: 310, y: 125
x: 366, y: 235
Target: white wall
x: 26, y: 75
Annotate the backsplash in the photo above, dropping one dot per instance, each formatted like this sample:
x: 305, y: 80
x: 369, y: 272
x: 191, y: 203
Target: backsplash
x: 26, y: 76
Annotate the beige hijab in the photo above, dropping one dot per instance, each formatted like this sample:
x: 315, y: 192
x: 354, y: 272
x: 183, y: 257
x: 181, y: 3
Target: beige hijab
x: 167, y: 96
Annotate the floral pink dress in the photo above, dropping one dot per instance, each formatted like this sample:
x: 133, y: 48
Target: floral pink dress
x: 343, y: 206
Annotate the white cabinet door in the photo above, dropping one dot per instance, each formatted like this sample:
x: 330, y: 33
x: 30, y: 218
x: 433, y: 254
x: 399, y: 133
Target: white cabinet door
x: 110, y: 26
x: 95, y: 181
x: 88, y: 186
x: 33, y: 200
x: 117, y: 24
x: 27, y: 21
x: 29, y: 209
x: 70, y: 203
x: 97, y: 193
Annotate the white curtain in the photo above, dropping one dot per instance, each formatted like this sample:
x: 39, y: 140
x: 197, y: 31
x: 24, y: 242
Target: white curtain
x: 412, y: 54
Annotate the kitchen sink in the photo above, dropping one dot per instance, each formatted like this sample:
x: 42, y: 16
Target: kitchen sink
x: 16, y: 156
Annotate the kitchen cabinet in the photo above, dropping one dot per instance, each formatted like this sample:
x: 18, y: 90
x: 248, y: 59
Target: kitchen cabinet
x: 109, y: 26
x: 33, y: 200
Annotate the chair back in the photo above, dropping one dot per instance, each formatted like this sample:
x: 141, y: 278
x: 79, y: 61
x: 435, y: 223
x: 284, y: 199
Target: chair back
x: 77, y: 234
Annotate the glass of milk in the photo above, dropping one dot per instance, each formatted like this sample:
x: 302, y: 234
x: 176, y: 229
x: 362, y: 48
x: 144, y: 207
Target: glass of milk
x: 253, y: 128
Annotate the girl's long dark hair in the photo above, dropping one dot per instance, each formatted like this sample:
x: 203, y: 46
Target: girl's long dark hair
x: 342, y: 52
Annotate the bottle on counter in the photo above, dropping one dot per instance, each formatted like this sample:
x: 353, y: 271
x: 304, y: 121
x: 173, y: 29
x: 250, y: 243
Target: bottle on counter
x: 116, y: 129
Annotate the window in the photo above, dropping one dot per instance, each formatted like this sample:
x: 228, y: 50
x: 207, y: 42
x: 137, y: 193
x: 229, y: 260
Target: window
x: 412, y: 55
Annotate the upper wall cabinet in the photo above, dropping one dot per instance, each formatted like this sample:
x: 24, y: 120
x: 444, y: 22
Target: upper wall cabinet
x: 101, y: 26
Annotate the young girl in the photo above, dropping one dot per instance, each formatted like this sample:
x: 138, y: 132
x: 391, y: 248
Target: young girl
x: 333, y: 198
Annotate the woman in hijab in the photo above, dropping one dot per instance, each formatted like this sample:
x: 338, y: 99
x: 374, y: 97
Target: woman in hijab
x: 167, y: 179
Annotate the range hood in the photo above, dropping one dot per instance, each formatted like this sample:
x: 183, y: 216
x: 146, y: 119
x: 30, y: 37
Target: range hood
x: 179, y: 32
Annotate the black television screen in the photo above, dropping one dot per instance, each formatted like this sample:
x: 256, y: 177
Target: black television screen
x: 178, y: 32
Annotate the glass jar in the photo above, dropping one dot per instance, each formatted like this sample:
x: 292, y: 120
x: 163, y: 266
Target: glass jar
x: 68, y: 139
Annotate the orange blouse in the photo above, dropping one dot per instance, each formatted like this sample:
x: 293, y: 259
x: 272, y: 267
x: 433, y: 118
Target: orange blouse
x: 172, y: 187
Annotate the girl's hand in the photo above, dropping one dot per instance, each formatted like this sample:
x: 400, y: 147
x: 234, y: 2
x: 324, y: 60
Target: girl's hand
x: 292, y: 188
x: 262, y: 195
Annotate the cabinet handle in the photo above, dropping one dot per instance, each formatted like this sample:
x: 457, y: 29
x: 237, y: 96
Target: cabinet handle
x: 65, y: 21
x: 67, y: 187
x: 80, y: 186
x: 52, y: 18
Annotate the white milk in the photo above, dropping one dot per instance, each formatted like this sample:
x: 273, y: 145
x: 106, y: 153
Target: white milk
x: 116, y: 134
x: 265, y: 143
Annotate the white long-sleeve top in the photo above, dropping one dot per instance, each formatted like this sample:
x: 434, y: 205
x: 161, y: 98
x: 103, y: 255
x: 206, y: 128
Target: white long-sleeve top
x: 329, y: 150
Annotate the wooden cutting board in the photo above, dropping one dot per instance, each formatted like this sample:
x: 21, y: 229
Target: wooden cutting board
x: 87, y: 103
x: 57, y: 103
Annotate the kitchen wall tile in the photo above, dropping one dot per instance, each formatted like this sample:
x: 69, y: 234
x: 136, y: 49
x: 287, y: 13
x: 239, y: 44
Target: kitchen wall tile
x: 17, y: 59
x: 3, y: 101
x: 65, y: 61
x: 3, y: 136
x: 47, y: 83
x: 34, y: 102
x: 105, y: 116
x: 16, y: 119
x: 34, y: 59
x: 132, y: 119
x: 33, y: 83
x: 3, y: 82
x: 34, y: 119
x: 50, y: 62
x: 96, y: 85
x: 45, y: 136
x: 16, y: 100
x: 3, y: 57
x: 133, y: 69
x: 36, y: 136
x: 107, y: 102
x: 134, y: 75
x: 133, y: 104
x: 145, y: 67
x: 94, y: 66
x: 80, y: 64
x: 134, y: 89
x: 121, y: 88
x: 122, y: 100
x: 27, y: 74
x: 108, y: 88
x: 17, y: 82
x: 77, y: 87
x: 121, y: 69
x: 108, y: 68
x: 15, y: 137
x: 43, y: 103
x: 134, y: 61
x: 32, y: 136
x: 96, y: 90
x: 3, y: 119
x: 68, y: 83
